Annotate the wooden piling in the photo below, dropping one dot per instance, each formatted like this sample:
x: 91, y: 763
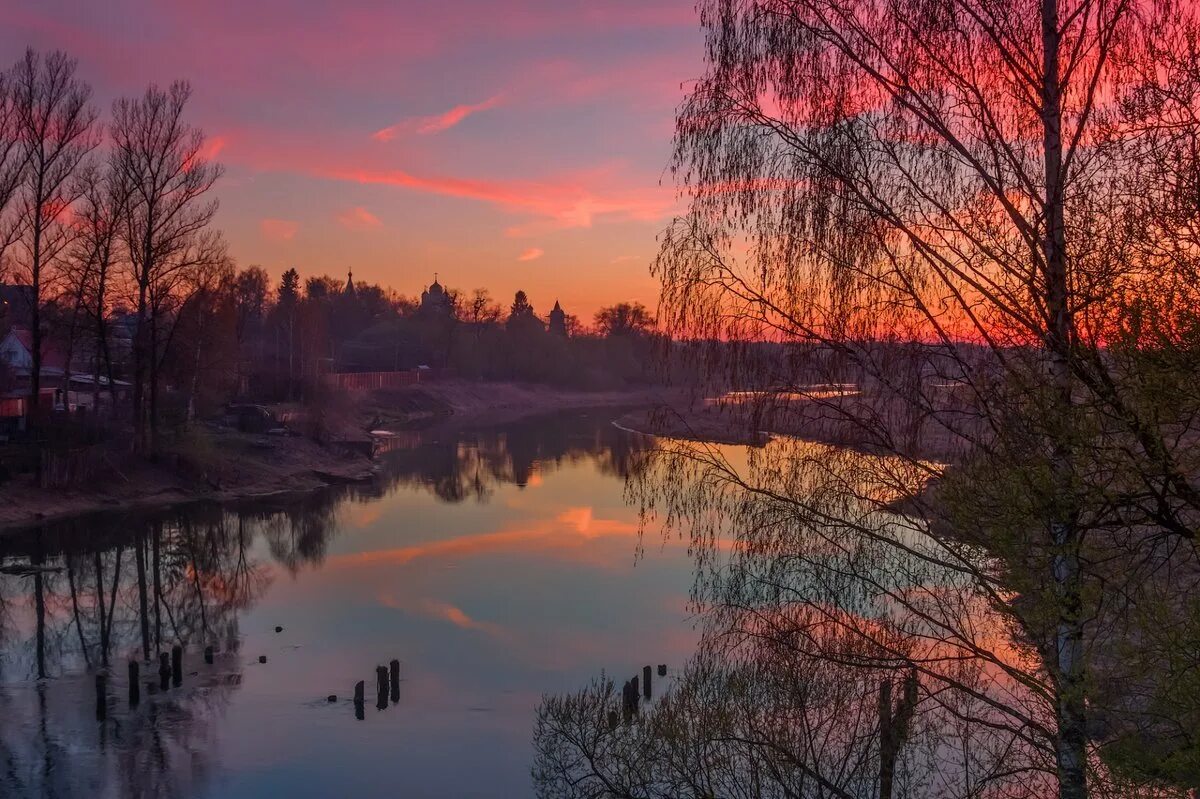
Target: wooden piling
x: 662, y: 669
x: 626, y: 703
x: 646, y: 681
x: 164, y: 671
x: 208, y: 654
x: 395, y: 680
x: 381, y: 687
x: 135, y: 685
x: 101, y: 697
x: 360, y: 690
x: 637, y: 691
x: 177, y: 665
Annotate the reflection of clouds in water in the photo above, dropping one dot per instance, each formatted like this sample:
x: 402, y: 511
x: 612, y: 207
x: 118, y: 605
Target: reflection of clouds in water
x: 535, y: 585
x: 444, y: 611
x: 361, y: 516
x: 541, y: 535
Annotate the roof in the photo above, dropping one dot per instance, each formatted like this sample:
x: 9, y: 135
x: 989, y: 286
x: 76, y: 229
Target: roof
x: 53, y: 358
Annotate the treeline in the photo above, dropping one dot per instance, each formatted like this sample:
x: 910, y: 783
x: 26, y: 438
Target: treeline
x: 130, y: 306
x: 289, y: 334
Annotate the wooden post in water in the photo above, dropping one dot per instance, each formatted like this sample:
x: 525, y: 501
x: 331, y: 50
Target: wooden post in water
x: 177, y: 665
x: 646, y: 682
x: 626, y: 703
x: 208, y: 654
x: 395, y: 679
x: 135, y: 686
x: 381, y: 687
x: 637, y: 692
x: 360, y: 690
x: 662, y: 669
x: 101, y: 696
x: 164, y: 670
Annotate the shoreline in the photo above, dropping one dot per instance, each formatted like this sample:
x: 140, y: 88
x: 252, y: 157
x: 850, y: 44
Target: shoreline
x: 235, y: 467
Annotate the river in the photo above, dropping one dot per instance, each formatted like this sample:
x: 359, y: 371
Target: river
x: 497, y: 565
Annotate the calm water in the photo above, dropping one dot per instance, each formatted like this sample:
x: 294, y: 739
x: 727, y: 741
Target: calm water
x: 497, y: 565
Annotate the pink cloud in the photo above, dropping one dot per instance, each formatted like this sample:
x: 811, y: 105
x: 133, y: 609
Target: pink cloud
x: 438, y: 122
x: 212, y: 147
x: 358, y: 218
x: 569, y: 202
x: 278, y: 229
x: 532, y: 254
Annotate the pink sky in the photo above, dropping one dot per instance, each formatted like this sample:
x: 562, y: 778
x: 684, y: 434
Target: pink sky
x: 510, y: 145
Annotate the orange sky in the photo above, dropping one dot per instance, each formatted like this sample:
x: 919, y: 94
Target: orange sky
x: 511, y: 145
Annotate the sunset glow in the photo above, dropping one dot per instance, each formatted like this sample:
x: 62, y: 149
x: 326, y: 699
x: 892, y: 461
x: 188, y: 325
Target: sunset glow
x: 403, y: 139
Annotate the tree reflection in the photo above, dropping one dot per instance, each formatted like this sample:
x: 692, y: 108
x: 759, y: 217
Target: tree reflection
x: 85, y: 604
x: 817, y: 599
x: 472, y: 463
x: 87, y: 595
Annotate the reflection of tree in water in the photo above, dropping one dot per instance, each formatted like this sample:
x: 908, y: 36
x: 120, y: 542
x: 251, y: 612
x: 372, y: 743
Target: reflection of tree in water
x: 103, y: 591
x: 472, y: 463
x: 818, y: 601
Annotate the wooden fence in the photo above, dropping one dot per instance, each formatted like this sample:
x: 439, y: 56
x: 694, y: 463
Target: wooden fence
x: 70, y: 467
x: 369, y: 381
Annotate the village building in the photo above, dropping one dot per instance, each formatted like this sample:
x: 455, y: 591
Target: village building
x: 558, y: 320
x: 436, y: 301
x: 61, y: 388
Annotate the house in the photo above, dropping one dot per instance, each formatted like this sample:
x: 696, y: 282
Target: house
x: 16, y: 305
x: 57, y: 390
x: 16, y: 351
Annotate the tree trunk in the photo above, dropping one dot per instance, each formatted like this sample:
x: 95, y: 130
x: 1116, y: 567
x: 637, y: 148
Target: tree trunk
x: 1068, y: 668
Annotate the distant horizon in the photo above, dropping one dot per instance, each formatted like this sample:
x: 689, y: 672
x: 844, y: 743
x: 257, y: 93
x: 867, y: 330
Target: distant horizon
x: 521, y: 147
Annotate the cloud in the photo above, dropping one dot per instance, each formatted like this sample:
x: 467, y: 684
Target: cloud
x: 358, y: 218
x: 438, y: 122
x: 532, y: 254
x: 569, y: 202
x: 213, y: 147
x: 278, y: 229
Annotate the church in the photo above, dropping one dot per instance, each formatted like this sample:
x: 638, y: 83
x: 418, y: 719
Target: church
x: 435, y: 301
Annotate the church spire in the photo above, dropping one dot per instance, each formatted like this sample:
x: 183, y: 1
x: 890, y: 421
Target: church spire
x: 349, y: 282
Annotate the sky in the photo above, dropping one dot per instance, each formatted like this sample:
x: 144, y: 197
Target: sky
x: 515, y: 144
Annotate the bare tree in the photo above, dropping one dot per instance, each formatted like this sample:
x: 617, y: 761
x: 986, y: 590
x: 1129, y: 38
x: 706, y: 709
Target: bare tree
x: 161, y: 158
x: 13, y: 159
x: 58, y: 131
x: 95, y: 260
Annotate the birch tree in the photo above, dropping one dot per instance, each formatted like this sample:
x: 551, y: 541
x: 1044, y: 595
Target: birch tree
x: 972, y: 213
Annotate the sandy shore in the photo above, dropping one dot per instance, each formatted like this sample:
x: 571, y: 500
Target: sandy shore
x: 222, y: 464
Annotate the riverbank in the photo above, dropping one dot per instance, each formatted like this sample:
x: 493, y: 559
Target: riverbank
x: 329, y: 446
x: 843, y: 421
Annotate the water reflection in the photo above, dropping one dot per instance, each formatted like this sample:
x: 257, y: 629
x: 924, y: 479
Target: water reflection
x: 451, y: 560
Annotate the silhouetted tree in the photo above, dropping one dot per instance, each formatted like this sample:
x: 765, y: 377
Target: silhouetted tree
x: 165, y: 223
x: 56, y: 124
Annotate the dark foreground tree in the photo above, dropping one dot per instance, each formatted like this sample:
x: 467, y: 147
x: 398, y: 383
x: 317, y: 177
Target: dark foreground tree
x: 958, y: 232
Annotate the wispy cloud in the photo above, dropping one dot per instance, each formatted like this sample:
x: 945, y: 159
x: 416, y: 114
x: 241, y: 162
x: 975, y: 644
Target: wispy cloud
x: 358, y: 218
x: 278, y: 229
x: 569, y: 202
x: 438, y: 122
x: 532, y: 254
